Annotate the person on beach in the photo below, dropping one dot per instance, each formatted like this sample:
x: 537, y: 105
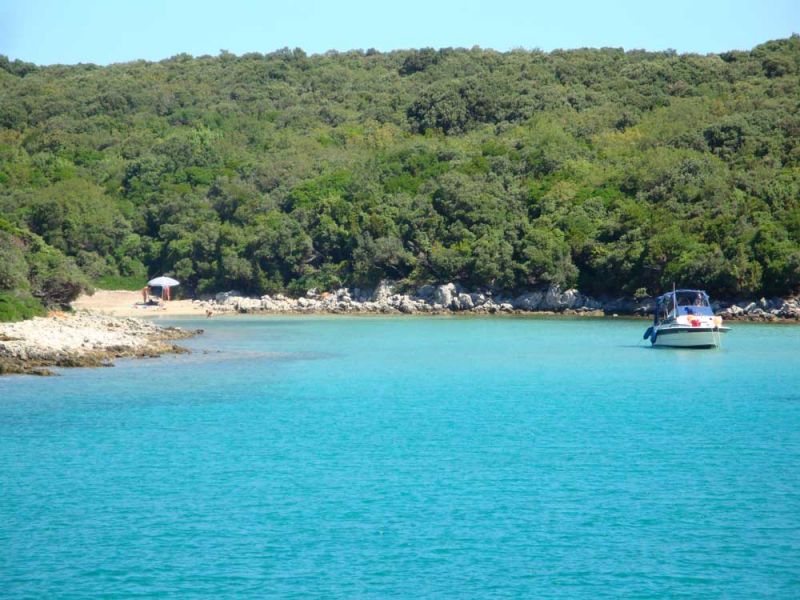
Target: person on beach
x: 144, y: 294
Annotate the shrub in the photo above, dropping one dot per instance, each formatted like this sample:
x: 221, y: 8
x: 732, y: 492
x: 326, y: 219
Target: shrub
x: 17, y: 306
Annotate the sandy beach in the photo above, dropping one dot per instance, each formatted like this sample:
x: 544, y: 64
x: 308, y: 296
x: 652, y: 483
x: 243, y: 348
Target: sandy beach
x: 120, y: 303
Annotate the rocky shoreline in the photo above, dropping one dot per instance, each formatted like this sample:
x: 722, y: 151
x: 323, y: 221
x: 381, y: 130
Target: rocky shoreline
x: 82, y: 340
x: 86, y: 339
x: 451, y: 298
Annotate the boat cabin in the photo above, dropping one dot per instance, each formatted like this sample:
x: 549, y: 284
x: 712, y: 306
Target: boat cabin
x: 681, y: 302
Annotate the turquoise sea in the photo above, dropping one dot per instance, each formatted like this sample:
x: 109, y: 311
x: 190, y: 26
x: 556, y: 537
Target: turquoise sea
x: 409, y: 457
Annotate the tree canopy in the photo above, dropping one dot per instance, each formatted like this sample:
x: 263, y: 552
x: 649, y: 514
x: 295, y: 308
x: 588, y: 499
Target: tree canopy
x: 601, y: 168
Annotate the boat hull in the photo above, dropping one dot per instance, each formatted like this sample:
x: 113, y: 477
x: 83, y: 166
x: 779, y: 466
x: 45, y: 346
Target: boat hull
x: 688, y: 337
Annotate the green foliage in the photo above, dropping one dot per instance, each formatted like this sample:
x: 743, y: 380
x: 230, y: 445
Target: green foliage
x: 33, y: 273
x: 13, y: 266
x: 16, y: 306
x: 617, y: 171
x: 121, y: 282
x: 419, y: 60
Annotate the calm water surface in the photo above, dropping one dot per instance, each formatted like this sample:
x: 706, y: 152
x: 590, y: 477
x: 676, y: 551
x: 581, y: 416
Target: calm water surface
x: 409, y: 457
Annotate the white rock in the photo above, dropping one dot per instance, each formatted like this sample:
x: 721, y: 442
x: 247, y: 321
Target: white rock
x: 383, y: 292
x: 407, y: 305
x: 223, y: 296
x: 477, y: 299
x: 247, y: 304
x: 465, y: 302
x: 444, y: 295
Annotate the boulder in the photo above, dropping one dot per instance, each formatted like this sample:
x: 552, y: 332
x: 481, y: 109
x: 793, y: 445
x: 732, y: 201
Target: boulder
x: 224, y: 296
x: 464, y: 302
x: 528, y: 301
x: 444, y: 295
x: 790, y: 312
x: 383, y: 292
x: 244, y: 305
x: 642, y: 307
x: 426, y: 292
x: 555, y: 299
x: 407, y: 305
x: 619, y: 305
x: 360, y: 295
x: 477, y: 299
x: 776, y: 303
x: 590, y: 303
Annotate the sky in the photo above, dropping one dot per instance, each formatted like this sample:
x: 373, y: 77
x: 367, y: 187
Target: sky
x: 109, y: 31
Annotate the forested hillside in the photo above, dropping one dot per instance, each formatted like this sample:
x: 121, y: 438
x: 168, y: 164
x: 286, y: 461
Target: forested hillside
x: 609, y: 170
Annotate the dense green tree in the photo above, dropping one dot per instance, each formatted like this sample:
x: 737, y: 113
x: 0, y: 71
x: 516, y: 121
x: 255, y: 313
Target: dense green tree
x: 612, y: 170
x: 33, y: 274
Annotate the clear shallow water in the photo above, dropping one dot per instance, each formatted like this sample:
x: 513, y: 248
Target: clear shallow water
x: 409, y: 457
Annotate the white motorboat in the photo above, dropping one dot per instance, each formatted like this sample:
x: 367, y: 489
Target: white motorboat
x: 684, y: 319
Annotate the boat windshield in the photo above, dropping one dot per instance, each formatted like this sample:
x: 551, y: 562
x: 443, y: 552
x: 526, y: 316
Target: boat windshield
x: 685, y: 302
x: 695, y: 310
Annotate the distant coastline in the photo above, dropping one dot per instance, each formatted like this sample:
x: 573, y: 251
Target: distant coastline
x: 601, y: 169
x: 442, y: 299
x: 101, y: 328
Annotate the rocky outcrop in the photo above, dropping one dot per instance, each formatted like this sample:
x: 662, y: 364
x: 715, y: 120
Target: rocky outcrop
x: 777, y: 309
x: 555, y: 300
x: 382, y: 293
x: 385, y: 299
x: 628, y: 306
x: 443, y: 295
x: 81, y: 340
x: 448, y: 298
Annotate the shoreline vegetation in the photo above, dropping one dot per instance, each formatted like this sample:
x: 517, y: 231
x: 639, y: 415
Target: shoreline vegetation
x: 614, y: 172
x: 82, y: 340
